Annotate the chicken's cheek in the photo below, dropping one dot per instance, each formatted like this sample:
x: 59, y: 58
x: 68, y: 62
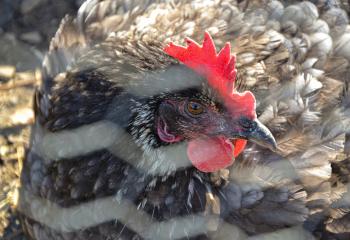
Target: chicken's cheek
x: 210, y: 154
x: 164, y: 134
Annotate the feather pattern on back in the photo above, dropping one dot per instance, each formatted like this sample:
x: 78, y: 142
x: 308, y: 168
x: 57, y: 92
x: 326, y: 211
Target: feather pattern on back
x: 293, y: 57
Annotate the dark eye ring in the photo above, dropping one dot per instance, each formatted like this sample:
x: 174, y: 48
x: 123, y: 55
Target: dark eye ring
x: 194, y: 108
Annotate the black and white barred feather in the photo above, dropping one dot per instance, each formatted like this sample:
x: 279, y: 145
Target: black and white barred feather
x: 76, y: 182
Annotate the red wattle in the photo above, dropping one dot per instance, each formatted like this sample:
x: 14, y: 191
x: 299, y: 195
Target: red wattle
x: 239, y: 146
x: 210, y: 154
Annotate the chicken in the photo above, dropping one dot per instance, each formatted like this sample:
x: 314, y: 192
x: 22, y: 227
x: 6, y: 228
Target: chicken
x: 149, y: 126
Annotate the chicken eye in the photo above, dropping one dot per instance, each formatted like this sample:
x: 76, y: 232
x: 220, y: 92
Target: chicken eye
x: 195, y: 108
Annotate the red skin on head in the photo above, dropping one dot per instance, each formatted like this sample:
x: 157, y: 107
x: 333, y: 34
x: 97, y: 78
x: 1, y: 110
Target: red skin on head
x: 212, y: 154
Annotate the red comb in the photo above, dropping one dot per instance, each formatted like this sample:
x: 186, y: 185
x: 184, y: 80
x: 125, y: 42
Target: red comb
x: 219, y: 69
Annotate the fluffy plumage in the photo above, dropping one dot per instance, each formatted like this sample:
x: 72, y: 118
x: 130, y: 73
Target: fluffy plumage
x: 81, y: 165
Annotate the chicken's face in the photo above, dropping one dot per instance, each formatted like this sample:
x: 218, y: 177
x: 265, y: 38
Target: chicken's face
x: 214, y: 134
x: 184, y: 118
x: 194, y: 105
x: 216, y: 129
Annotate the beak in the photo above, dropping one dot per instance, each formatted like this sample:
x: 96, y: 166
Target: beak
x: 259, y: 134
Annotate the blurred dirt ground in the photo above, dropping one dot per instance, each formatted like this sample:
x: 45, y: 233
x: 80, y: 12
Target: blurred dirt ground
x: 26, y: 26
x: 15, y: 116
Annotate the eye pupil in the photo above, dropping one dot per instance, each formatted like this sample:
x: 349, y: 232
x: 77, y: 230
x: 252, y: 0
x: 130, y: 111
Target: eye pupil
x: 195, y: 106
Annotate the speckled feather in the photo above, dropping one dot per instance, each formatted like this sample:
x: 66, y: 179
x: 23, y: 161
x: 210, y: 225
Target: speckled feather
x: 294, y: 58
